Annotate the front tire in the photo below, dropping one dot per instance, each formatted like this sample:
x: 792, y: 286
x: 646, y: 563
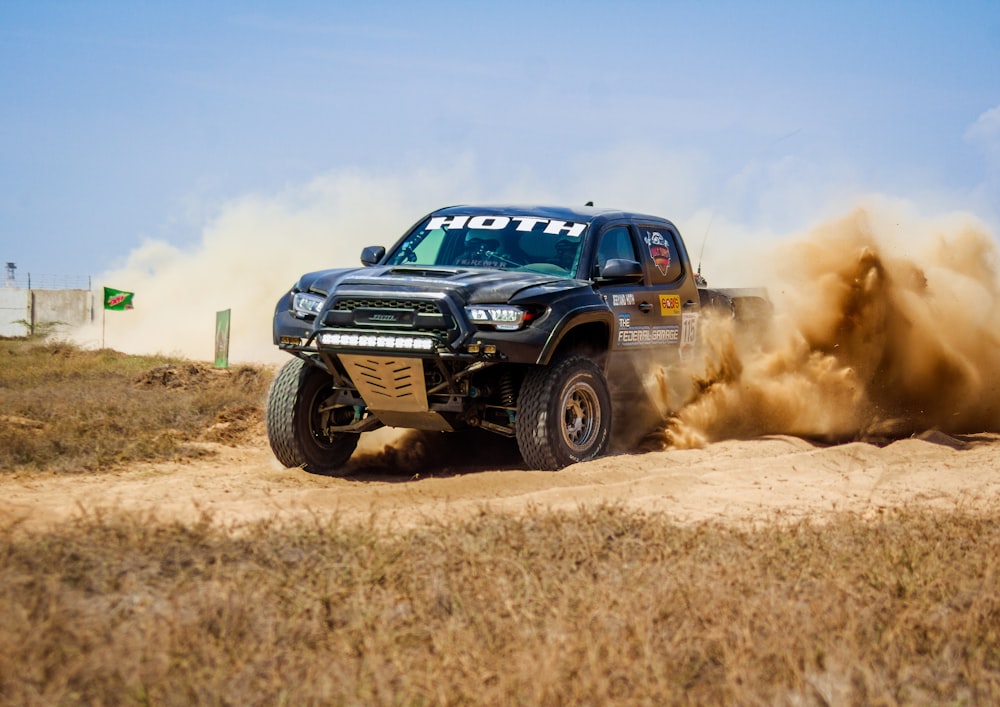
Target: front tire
x: 563, y: 414
x: 295, y: 421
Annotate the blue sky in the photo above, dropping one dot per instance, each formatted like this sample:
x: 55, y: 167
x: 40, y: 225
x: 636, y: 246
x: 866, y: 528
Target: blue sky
x: 128, y: 122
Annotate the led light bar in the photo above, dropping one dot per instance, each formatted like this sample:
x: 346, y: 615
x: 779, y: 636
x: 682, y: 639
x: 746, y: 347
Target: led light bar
x: 378, y: 341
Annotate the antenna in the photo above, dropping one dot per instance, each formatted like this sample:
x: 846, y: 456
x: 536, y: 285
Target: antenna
x: 701, y: 252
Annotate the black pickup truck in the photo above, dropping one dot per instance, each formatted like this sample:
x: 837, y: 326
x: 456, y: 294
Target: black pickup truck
x: 511, y: 319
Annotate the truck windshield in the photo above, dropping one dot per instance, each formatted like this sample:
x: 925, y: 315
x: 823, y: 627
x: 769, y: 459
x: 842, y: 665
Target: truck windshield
x: 527, y: 243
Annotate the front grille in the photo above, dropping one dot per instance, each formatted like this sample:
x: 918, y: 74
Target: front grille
x: 420, y: 306
x: 363, y: 314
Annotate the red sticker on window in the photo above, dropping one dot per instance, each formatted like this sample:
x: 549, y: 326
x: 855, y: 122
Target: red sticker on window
x: 659, y: 250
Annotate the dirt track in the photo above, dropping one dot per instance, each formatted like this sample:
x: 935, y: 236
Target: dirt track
x: 765, y: 479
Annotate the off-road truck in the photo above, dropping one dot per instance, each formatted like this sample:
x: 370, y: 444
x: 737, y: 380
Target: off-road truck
x: 511, y: 319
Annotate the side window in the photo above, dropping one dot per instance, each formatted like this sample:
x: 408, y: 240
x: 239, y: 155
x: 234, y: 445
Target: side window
x: 615, y: 243
x: 660, y: 245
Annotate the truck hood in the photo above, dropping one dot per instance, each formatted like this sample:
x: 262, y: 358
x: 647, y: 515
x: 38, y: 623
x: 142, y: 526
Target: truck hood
x: 471, y: 285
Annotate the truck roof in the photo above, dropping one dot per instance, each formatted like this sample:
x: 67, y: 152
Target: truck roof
x: 584, y: 214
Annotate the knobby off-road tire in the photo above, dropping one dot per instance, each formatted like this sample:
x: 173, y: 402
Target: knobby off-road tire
x: 294, y: 421
x: 563, y: 414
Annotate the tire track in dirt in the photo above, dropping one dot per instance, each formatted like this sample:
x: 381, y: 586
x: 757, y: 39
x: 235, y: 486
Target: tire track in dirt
x: 759, y: 480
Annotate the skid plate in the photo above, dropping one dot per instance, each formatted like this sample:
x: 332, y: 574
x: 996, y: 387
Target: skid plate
x: 388, y: 383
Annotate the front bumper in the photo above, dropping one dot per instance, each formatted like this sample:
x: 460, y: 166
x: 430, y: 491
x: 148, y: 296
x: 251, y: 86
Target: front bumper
x: 349, y: 323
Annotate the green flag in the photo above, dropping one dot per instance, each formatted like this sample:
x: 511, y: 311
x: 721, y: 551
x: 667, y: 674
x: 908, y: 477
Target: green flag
x: 118, y: 300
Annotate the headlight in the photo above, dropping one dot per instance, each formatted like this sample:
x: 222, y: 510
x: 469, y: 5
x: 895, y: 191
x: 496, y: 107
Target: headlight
x: 305, y: 305
x: 502, y: 317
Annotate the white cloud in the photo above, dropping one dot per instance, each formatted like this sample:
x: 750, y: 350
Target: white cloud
x: 985, y: 132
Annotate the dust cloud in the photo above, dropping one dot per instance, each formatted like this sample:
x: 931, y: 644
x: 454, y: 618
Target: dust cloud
x: 248, y: 256
x: 257, y: 246
x: 886, y: 323
x: 881, y: 330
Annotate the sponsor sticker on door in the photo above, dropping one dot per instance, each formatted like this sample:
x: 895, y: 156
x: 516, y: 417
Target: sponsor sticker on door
x: 670, y: 305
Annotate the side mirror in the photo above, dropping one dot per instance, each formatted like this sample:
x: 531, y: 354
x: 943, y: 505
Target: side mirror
x: 372, y: 255
x: 619, y: 269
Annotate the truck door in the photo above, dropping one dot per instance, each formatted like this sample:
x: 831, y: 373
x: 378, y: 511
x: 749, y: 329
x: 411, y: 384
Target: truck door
x: 627, y: 300
x: 672, y: 288
x: 648, y: 313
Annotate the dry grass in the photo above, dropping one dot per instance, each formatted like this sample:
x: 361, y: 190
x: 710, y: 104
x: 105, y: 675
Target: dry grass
x: 66, y: 409
x: 596, y: 607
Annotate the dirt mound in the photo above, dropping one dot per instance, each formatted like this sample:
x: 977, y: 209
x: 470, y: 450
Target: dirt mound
x: 236, y: 425
x: 195, y: 374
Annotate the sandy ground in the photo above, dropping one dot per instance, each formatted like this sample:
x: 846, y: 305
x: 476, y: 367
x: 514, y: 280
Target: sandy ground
x: 759, y: 480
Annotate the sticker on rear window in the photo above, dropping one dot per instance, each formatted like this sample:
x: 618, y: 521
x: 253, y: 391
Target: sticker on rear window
x: 659, y: 250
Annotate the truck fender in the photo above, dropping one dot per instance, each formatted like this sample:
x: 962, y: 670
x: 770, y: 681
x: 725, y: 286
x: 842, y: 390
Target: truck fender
x: 600, y: 317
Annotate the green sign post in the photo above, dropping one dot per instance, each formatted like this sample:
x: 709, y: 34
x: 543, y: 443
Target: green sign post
x: 222, y: 339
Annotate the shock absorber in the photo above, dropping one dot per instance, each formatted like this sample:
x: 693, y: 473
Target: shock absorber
x: 507, y: 394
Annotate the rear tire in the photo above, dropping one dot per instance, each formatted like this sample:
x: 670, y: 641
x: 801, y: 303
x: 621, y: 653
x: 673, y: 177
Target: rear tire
x: 295, y: 422
x: 563, y: 414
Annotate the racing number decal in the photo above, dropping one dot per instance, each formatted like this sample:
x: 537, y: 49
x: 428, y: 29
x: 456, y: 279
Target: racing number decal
x: 689, y: 335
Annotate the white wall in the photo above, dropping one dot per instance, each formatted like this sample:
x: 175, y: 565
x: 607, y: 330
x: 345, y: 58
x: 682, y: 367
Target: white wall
x: 13, y: 307
x: 71, y: 308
